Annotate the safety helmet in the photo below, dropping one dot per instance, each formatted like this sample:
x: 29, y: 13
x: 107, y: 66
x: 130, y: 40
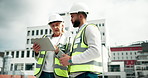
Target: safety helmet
x: 79, y: 7
x: 55, y: 18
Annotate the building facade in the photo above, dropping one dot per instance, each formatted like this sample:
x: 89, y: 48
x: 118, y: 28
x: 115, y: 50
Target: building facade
x: 141, y: 67
x: 126, y: 54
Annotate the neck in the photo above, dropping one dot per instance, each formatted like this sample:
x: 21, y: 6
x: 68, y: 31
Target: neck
x: 82, y: 22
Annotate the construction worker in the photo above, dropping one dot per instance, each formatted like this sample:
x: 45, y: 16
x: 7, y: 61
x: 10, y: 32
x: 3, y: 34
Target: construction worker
x: 85, y: 58
x: 48, y: 65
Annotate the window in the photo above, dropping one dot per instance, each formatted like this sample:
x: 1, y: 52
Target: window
x: 135, y: 53
x: 17, y: 54
x: 122, y: 53
x: 50, y: 31
x: 114, y: 53
x: 33, y: 53
x: 29, y: 66
x: 114, y: 58
x: 37, y: 32
x: 18, y: 66
x: 27, y: 41
x: 122, y: 57
x: 28, y: 53
x: 131, y: 58
x: 102, y: 24
x: 7, y: 53
x: 11, y: 67
x: 32, y: 32
x: 46, y: 31
x: 126, y: 57
x: 22, y: 55
x: 28, y: 33
x: 126, y: 53
x: 41, y: 32
x: 103, y: 33
x: 131, y: 53
x: 118, y: 53
x: 12, y: 53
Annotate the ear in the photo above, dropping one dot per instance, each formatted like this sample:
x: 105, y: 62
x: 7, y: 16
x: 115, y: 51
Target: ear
x: 80, y: 16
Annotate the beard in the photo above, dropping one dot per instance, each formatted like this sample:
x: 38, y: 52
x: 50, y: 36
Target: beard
x: 76, y: 23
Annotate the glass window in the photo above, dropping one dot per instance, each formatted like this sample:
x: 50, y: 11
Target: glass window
x: 28, y: 33
x: 33, y: 53
x: 17, y: 54
x: 27, y: 41
x: 46, y: 31
x: 114, y: 53
x: 131, y: 53
x: 37, y: 32
x: 29, y: 66
x: 102, y: 24
x: 12, y: 53
x: 22, y: 55
x: 32, y: 32
x: 7, y: 53
x: 18, y: 66
x: 11, y: 67
x: 103, y: 33
x: 50, y: 31
x: 28, y: 53
x: 122, y: 53
x: 41, y: 32
x: 126, y: 53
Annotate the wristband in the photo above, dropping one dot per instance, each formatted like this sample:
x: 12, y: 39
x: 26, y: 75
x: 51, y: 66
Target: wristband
x: 70, y: 61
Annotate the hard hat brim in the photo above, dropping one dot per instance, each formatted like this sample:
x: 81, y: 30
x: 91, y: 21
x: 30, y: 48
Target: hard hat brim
x: 54, y: 22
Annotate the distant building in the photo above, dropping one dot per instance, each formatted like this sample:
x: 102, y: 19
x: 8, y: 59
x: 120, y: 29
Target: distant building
x: 141, y: 67
x: 1, y: 61
x: 134, y: 58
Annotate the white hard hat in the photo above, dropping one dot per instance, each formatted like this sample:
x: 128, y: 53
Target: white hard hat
x: 79, y: 7
x: 55, y: 18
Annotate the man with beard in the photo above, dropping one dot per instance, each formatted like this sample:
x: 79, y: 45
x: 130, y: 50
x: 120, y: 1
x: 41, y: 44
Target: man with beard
x: 84, y: 60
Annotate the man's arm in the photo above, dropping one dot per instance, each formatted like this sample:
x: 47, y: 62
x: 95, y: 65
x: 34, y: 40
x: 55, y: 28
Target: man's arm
x: 93, y: 38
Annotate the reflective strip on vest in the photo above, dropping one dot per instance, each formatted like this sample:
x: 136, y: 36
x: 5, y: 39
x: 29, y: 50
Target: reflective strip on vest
x: 60, y: 70
x: 80, y: 47
x: 40, y: 61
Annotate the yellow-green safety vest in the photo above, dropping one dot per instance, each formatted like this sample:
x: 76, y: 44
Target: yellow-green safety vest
x: 59, y: 70
x: 78, y: 48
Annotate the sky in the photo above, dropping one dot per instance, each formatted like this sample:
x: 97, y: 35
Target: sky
x: 126, y: 20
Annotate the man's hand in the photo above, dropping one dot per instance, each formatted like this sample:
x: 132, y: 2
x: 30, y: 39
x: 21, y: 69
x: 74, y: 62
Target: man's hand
x: 36, y: 48
x: 56, y: 49
x: 64, y: 60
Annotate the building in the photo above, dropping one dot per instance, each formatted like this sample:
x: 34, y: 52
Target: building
x: 1, y: 61
x: 115, y: 70
x: 141, y: 67
x: 128, y: 54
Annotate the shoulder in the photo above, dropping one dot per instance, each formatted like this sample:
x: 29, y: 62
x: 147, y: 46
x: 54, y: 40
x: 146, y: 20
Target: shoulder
x: 92, y: 28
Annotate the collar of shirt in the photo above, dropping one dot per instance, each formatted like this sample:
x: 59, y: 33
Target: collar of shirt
x: 82, y: 26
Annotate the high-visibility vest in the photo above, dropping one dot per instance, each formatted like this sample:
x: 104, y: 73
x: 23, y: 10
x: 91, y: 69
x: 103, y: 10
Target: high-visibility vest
x: 59, y: 70
x: 40, y: 63
x: 78, y: 48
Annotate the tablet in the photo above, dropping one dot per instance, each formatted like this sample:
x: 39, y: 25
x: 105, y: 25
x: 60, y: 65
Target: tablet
x: 45, y: 44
